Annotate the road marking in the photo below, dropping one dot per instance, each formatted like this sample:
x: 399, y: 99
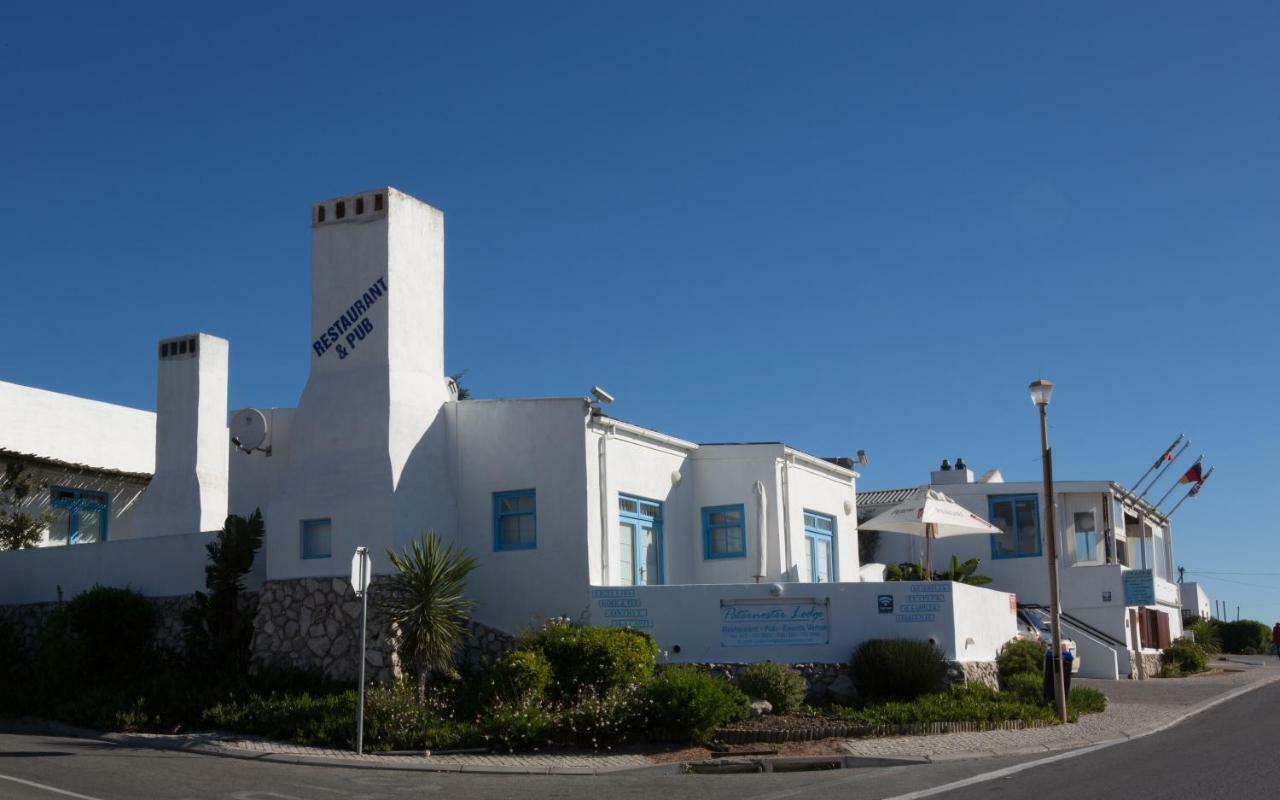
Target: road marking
x: 53, y: 789
x: 1007, y: 771
x: 317, y: 788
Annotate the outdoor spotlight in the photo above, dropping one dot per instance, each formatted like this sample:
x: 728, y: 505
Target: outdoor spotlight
x: 601, y: 395
x: 1041, y: 390
x: 862, y: 458
x: 776, y: 590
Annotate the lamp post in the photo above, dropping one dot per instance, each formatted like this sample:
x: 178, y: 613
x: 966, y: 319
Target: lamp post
x: 1041, y: 391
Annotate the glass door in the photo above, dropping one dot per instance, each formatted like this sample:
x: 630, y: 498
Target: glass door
x: 640, y: 529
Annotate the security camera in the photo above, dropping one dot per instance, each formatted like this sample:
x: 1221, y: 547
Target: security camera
x: 601, y: 395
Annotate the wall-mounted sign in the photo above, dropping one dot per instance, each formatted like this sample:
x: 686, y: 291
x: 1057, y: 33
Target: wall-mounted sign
x: 1139, y: 587
x: 353, y: 326
x: 770, y: 623
x: 1106, y: 597
x: 884, y: 603
x: 620, y: 608
x: 923, y: 602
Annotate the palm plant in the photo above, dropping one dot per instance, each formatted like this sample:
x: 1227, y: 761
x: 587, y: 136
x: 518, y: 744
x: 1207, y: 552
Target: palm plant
x: 425, y: 602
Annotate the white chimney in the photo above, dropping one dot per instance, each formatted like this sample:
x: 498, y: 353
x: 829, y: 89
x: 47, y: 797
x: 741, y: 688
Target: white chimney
x: 951, y: 475
x: 188, y: 492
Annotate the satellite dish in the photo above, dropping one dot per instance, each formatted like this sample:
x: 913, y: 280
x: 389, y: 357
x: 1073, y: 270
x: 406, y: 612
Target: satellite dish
x: 249, y: 429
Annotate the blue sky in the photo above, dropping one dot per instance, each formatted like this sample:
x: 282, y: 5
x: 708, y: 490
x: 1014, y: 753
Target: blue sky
x: 846, y: 226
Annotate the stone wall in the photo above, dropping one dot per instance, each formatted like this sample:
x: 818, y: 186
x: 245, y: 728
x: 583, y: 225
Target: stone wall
x: 314, y: 623
x: 966, y: 672
x: 30, y: 620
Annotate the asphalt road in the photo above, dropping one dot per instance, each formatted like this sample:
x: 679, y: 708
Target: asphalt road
x: 1229, y: 752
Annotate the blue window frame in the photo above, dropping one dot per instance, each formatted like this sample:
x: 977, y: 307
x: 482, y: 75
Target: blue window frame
x: 79, y: 517
x: 1018, y: 518
x: 317, y: 538
x: 724, y: 532
x: 515, y: 520
x: 820, y: 546
x: 640, y: 531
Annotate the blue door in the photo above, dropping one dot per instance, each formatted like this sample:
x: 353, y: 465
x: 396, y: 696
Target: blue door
x: 640, y: 529
x: 819, y: 540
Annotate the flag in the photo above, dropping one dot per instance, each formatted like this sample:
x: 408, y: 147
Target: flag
x: 1195, y: 490
x: 1194, y: 475
x: 1166, y: 456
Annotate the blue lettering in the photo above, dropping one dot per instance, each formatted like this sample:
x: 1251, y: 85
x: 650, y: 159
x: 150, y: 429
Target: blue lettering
x: 316, y: 346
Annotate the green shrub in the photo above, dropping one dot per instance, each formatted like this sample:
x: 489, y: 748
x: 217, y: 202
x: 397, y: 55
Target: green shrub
x: 318, y: 720
x: 603, y: 720
x: 686, y: 704
x: 1026, y: 688
x: 594, y: 659
x: 1170, y: 669
x: 101, y: 636
x: 780, y: 684
x: 519, y: 725
x: 1208, y: 635
x: 1186, y: 656
x: 1084, y: 700
x: 1245, y: 637
x: 521, y: 674
x: 897, y: 669
x: 969, y: 703
x: 1020, y: 657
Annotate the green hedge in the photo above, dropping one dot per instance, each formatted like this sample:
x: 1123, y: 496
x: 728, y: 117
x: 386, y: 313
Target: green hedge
x: 780, y: 684
x: 1186, y: 657
x: 897, y: 669
x: 1020, y: 657
x: 589, y: 659
x: 686, y: 704
x: 520, y: 675
x: 1245, y: 637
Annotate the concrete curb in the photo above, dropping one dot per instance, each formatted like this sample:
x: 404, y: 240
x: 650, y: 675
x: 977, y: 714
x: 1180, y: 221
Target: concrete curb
x: 762, y: 763
x: 1118, y: 737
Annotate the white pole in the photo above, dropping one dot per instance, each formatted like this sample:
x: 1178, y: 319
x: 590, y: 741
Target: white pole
x: 364, y: 615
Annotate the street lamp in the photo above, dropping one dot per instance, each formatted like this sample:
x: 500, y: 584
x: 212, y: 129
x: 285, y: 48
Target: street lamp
x: 1041, y: 390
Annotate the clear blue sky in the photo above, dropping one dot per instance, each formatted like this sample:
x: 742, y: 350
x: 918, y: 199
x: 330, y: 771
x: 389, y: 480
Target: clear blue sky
x: 840, y: 225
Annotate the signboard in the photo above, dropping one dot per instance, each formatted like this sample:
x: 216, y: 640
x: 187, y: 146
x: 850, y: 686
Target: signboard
x: 1139, y: 587
x: 884, y: 603
x: 924, y: 601
x: 620, y: 608
x: 361, y: 570
x: 767, y: 623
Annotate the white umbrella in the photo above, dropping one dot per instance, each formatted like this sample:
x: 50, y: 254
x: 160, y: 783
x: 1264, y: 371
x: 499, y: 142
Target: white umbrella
x: 932, y: 515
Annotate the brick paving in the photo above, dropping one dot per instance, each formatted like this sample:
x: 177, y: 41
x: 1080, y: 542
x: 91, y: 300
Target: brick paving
x: 1133, y: 708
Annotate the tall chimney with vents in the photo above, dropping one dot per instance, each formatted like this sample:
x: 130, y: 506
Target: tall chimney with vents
x: 188, y: 492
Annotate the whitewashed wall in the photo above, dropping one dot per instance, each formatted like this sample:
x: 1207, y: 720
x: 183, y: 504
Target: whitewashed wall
x: 163, y: 566
x: 122, y: 494
x: 509, y: 445
x: 699, y: 624
x: 813, y: 488
x: 76, y: 430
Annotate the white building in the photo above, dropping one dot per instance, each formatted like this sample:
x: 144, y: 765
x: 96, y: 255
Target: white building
x: 565, y: 507
x: 1194, y: 600
x: 1102, y: 533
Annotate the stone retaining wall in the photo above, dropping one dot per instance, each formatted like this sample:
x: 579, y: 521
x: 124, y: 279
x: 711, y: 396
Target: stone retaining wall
x: 29, y: 621
x: 314, y: 623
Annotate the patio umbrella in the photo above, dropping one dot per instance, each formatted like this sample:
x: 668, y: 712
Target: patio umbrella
x: 932, y: 515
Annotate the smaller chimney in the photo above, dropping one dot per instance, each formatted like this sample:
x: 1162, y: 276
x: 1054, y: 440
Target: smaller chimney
x: 948, y: 476
x: 188, y: 492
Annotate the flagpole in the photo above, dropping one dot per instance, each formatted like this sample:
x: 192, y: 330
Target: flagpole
x: 1159, y: 461
x: 1190, y: 492
x: 1164, y: 469
x: 1178, y: 483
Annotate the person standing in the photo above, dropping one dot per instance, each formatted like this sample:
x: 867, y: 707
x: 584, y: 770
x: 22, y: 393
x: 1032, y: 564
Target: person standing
x: 1275, y: 640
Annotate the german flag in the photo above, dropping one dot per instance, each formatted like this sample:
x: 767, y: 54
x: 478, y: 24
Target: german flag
x: 1193, y: 475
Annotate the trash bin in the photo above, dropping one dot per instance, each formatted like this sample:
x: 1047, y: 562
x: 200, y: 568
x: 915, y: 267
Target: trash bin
x: 1067, y: 658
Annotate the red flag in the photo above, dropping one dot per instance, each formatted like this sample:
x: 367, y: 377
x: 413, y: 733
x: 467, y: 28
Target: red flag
x: 1168, y: 456
x: 1194, y: 475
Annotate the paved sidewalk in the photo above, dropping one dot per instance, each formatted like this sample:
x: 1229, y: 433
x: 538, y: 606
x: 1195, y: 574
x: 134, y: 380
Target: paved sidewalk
x: 259, y: 749
x: 1134, y: 708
